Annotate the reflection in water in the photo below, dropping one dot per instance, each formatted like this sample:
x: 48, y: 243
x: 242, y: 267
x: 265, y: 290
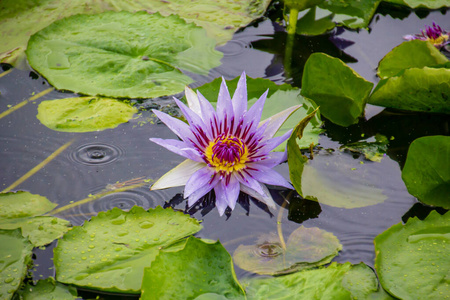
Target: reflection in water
x: 421, y: 211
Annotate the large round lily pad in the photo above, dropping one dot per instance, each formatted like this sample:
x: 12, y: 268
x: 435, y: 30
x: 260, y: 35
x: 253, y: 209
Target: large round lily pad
x: 111, y: 251
x: 412, y: 259
x: 199, y: 268
x: 15, y: 255
x: 84, y: 114
x: 121, y: 54
x: 427, y: 170
x: 305, y: 248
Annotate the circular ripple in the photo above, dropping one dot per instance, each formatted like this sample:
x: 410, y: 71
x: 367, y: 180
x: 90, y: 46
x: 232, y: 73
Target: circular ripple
x: 96, y: 154
x: 268, y: 250
x: 235, y: 47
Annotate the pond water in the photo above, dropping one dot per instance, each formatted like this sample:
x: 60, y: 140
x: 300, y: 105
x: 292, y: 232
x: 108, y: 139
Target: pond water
x: 98, y: 162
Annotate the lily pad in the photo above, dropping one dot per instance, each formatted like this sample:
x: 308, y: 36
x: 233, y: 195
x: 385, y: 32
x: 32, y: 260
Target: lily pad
x: 120, y: 54
x: 412, y: 54
x: 412, y: 259
x: 306, y: 248
x: 47, y: 289
x: 425, y: 89
x: 198, y: 269
x: 39, y: 230
x: 337, y: 281
x: 111, y: 251
x: 373, y: 149
x: 15, y: 256
x: 310, y: 25
x: 279, y: 98
x: 352, y: 13
x: 331, y: 85
x: 427, y: 170
x: 431, y: 4
x: 23, y: 204
x: 84, y: 114
x: 301, y: 5
x: 19, y: 19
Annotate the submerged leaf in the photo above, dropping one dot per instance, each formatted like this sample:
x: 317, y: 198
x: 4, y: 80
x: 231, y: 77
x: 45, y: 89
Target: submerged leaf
x: 427, y: 170
x: 47, y: 289
x: 120, y: 54
x: 337, y: 281
x: 200, y: 268
x: 15, y: 255
x: 331, y: 84
x: 84, y: 114
x: 431, y: 4
x: 111, y: 251
x: 279, y: 98
x: 412, y: 54
x: 426, y: 89
x: 412, y: 259
x: 306, y: 248
x: 372, y: 150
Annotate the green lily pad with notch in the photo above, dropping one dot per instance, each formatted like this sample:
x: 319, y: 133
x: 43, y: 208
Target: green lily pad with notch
x: 427, y: 170
x: 314, y: 22
x: 330, y: 83
x: 337, y: 281
x: 305, y: 248
x: 47, y: 289
x: 374, y: 149
x: 22, y: 204
x: 199, y: 268
x: 431, y: 4
x: 22, y: 209
x: 19, y: 19
x: 110, y: 251
x: 352, y: 13
x: 412, y: 54
x: 279, y: 98
x: 15, y: 256
x: 84, y: 114
x: 417, y: 89
x: 412, y: 259
x: 121, y: 54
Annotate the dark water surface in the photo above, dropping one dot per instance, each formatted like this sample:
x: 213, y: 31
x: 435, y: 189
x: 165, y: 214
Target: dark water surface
x: 96, y: 161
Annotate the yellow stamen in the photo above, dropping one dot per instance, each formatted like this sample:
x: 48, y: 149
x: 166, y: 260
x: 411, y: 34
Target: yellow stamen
x: 217, y: 150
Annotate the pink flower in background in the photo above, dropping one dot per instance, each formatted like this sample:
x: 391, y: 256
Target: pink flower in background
x: 433, y: 34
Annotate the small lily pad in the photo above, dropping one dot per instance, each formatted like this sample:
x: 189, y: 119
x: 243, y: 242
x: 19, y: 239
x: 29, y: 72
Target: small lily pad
x: 23, y: 204
x: 417, y: 89
x: 47, y: 289
x: 15, y: 256
x: 200, y: 268
x: 427, y: 170
x: 330, y: 83
x: 84, y: 114
x: 310, y: 25
x: 279, y: 98
x: 412, y: 259
x: 337, y: 281
x: 412, y: 54
x: 372, y: 150
x: 306, y: 248
x: 121, y: 54
x: 111, y: 251
x: 431, y: 4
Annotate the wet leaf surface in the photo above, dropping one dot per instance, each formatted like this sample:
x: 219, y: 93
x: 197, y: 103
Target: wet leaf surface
x: 412, y: 258
x: 23, y: 204
x: 200, y: 268
x: 47, y: 289
x: 111, y: 251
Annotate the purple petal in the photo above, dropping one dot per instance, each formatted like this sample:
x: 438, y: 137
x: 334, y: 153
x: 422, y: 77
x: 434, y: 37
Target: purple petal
x: 275, y: 142
x: 221, y: 202
x: 273, y: 159
x: 200, y: 183
x: 178, y: 176
x: 253, y: 115
x: 266, y: 197
x: 208, y: 114
x: 180, y: 148
x: 267, y: 175
x: 248, y: 181
x: 224, y: 105
x: 274, y: 123
x: 180, y: 128
x: 240, y: 97
x: 190, y: 115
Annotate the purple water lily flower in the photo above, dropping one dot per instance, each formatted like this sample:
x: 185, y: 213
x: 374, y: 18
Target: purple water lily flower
x: 228, y: 149
x: 433, y: 34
